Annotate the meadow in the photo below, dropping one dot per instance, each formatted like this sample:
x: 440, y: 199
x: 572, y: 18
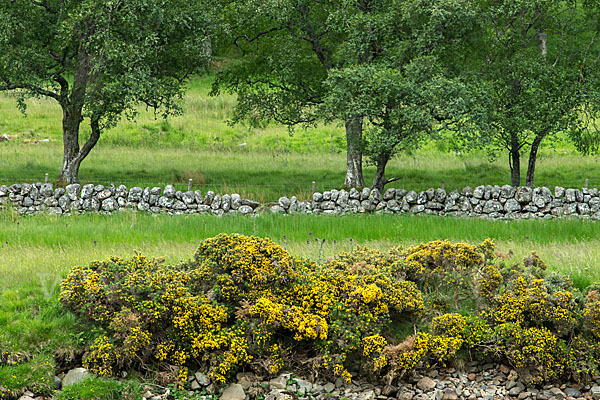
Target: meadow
x: 261, y: 163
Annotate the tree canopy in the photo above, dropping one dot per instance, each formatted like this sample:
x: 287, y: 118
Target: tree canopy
x: 99, y: 59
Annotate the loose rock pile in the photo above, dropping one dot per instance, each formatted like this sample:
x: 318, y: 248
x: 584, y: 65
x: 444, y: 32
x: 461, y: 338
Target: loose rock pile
x: 492, y: 202
x: 476, y: 381
x: 31, y: 199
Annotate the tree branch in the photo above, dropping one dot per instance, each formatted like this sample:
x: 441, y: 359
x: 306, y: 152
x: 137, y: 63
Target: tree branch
x: 45, y: 5
x: 32, y: 88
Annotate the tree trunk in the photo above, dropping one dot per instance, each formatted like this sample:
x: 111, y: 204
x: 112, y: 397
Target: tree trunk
x: 354, y: 175
x: 532, y: 159
x: 72, y: 107
x: 515, y: 161
x: 379, y: 181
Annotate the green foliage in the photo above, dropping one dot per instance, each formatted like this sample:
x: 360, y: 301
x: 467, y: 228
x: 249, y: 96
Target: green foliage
x: 534, y: 61
x: 245, y: 301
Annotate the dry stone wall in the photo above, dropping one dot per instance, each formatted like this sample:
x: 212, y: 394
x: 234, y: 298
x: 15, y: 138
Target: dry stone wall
x: 31, y: 199
x: 493, y: 202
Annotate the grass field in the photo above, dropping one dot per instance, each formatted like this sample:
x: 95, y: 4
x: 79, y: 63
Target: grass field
x: 263, y: 164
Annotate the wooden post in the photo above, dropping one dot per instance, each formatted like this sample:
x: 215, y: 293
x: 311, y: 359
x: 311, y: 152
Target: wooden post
x: 190, y: 185
x: 46, y: 179
x: 443, y: 185
x: 314, y: 187
x: 586, y: 183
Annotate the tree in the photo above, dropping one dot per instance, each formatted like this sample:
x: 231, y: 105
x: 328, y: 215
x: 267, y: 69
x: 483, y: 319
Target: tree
x: 537, y: 61
x: 99, y: 59
x: 289, y: 48
x: 412, y: 89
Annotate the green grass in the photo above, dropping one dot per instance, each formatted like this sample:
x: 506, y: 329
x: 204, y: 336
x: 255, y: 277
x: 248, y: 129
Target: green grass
x: 37, y: 252
x: 267, y: 175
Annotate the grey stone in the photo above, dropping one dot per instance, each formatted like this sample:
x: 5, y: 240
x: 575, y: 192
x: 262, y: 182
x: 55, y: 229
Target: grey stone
x: 27, y: 201
x: 109, y: 204
x: 73, y: 191
x: 91, y: 204
x: 277, y: 209
x: 583, y: 209
x: 195, y: 385
x: 594, y: 204
x: 572, y: 392
x: 440, y: 195
x: 64, y: 202
x: 25, y: 189
x: 121, y: 191
x: 411, y: 197
x: 327, y: 205
x: 326, y: 195
x: 389, y: 194
x: 209, y: 197
x: 343, y: 198
x: 233, y: 392
x: 169, y: 191
x: 236, y: 201
x: 334, y: 195
x: 354, y: 194
x: 284, y: 202
x: 329, y: 387
x: 179, y: 195
x: 135, y: 194
x: 156, y: 191
x: 491, y: 206
x: 512, y: 205
x: 507, y: 191
x: 426, y: 383
x: 188, y: 197
x: 143, y: 206
x: 317, y: 196
x: 104, y: 194
x: 570, y: 196
x: 226, y: 202
x: 179, y: 205
x: 479, y: 192
x: 422, y: 198
x: 279, y: 382
x: 74, y: 376
x: 165, y: 202
x: 595, y: 392
x: 303, y: 386
x: 46, y: 190
x: 202, y: 378
x: 244, y: 209
x: 417, y: 209
x: 365, y: 193
x: 524, y: 195
x: 251, y: 203
x: 87, y: 191
x: 375, y: 196
x: 559, y: 192
x: 203, y: 208
x: 216, y: 202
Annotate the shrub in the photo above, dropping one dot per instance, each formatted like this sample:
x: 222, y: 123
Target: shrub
x: 244, y: 302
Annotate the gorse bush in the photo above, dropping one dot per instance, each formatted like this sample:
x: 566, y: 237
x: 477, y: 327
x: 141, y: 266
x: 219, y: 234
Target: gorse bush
x: 245, y: 303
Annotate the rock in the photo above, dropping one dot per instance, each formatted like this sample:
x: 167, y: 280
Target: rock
x: 46, y: 190
x: 329, y: 387
x: 87, y: 191
x: 512, y: 205
x: 303, y: 386
x: 251, y: 203
x: 226, y: 202
x: 572, y: 392
x: 74, y: 376
x: 233, y: 392
x: 215, y: 204
x: 104, y: 194
x: 479, y: 192
x: 491, y: 206
x: 278, y: 383
x: 169, y: 192
x: 411, y: 197
x: 202, y: 378
x: 595, y: 392
x: 108, y: 205
x: 426, y: 383
x: 135, y: 194
x: 277, y: 209
x: 243, y: 209
x: 195, y: 385
x: 91, y: 204
x: 524, y: 195
x: 236, y: 201
x: 515, y: 390
x: 389, y: 194
x: 450, y: 394
x: 284, y: 202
